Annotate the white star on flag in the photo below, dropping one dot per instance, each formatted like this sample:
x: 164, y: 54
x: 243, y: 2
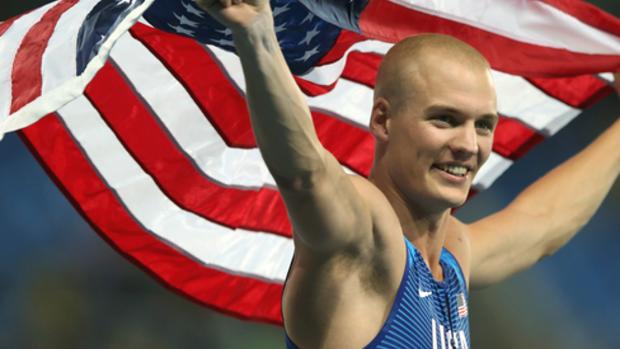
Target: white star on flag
x: 181, y: 30
x: 191, y: 9
x: 280, y: 10
x: 184, y: 21
x: 310, y: 35
x: 309, y: 54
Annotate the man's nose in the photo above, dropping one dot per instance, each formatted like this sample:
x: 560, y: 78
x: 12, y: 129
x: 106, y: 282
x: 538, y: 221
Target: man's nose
x: 465, y: 141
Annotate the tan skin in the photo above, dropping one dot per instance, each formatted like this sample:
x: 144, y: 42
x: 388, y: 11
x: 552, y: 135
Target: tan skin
x: 349, y: 247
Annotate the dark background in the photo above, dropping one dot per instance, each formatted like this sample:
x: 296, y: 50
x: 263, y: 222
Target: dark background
x: 61, y: 286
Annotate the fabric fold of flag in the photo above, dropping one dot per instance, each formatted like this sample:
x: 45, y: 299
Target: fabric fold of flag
x: 148, y: 135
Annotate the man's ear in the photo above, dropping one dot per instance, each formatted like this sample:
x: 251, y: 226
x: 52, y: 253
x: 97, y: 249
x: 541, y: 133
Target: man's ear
x: 380, y: 119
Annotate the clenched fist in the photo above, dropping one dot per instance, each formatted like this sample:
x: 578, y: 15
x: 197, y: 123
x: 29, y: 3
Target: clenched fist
x: 237, y: 14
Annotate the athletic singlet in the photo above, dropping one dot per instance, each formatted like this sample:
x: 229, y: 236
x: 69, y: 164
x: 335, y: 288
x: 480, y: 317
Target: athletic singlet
x: 426, y: 313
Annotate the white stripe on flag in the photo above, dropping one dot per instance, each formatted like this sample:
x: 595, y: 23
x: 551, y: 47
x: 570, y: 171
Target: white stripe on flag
x: 607, y: 77
x: 9, y: 44
x: 490, y: 171
x: 519, y: 99
x: 263, y: 255
x: 59, y: 61
x: 518, y: 19
x: 328, y: 73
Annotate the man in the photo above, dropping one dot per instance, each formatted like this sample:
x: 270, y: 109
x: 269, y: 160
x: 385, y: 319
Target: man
x: 355, y: 281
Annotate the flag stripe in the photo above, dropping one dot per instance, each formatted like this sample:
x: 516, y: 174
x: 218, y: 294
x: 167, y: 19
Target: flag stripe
x: 512, y: 139
x: 328, y: 73
x: 588, y: 13
x: 240, y: 296
x: 174, y: 172
x: 214, y: 95
x: 495, y: 166
x: 26, y: 75
x: 10, y: 42
x: 579, y: 92
x: 388, y: 21
x: 506, y: 18
x: 517, y: 98
x: 59, y: 62
x: 159, y: 215
x: 4, y: 26
x: 345, y: 40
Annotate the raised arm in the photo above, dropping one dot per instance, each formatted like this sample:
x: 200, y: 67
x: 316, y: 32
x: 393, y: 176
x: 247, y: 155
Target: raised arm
x: 548, y: 213
x: 324, y: 205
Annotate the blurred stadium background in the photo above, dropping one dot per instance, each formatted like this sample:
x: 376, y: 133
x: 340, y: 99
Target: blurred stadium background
x: 61, y: 286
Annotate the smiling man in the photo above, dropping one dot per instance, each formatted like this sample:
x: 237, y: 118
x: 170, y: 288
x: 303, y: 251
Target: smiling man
x: 381, y: 262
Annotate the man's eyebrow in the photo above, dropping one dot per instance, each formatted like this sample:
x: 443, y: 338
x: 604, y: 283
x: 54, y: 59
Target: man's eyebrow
x: 440, y: 108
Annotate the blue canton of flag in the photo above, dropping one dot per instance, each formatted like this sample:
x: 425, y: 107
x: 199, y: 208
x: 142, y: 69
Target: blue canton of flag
x: 97, y: 27
x: 304, y: 37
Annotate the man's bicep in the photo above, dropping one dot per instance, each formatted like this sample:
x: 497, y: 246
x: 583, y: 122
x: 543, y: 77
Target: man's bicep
x: 329, y: 211
x: 502, y: 244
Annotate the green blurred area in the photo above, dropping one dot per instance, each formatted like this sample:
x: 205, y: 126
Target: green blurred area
x: 80, y: 293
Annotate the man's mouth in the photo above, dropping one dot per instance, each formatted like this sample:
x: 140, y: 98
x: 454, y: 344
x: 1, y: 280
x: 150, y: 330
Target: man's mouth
x: 455, y: 170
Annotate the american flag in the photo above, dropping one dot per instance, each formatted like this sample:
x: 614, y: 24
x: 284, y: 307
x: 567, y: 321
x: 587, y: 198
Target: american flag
x: 461, y: 304
x: 147, y: 132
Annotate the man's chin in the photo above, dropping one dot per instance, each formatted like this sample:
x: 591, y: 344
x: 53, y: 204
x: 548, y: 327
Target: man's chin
x: 453, y: 199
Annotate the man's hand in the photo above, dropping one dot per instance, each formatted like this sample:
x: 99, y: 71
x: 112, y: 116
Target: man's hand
x: 237, y: 14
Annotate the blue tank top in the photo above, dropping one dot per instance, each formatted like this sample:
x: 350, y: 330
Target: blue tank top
x: 426, y: 313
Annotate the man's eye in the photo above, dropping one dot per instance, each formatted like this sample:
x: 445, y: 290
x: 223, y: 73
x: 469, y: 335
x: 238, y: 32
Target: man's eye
x: 485, y: 125
x: 447, y: 119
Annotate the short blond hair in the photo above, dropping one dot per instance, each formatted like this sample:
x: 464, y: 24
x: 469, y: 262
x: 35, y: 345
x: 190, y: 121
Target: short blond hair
x: 412, y: 54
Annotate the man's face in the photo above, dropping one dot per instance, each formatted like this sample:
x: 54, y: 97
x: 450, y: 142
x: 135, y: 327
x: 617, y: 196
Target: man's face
x: 441, y: 134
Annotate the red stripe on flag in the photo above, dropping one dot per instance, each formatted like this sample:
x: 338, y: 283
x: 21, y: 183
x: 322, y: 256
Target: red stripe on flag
x: 351, y: 145
x: 4, y: 26
x: 311, y: 89
x: 345, y: 40
x: 589, y: 14
x: 362, y: 68
x: 172, y: 169
x: 224, y: 103
x: 512, y: 139
x: 580, y: 92
x: 190, y: 63
x: 26, y: 76
x: 388, y: 21
x: 239, y: 296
